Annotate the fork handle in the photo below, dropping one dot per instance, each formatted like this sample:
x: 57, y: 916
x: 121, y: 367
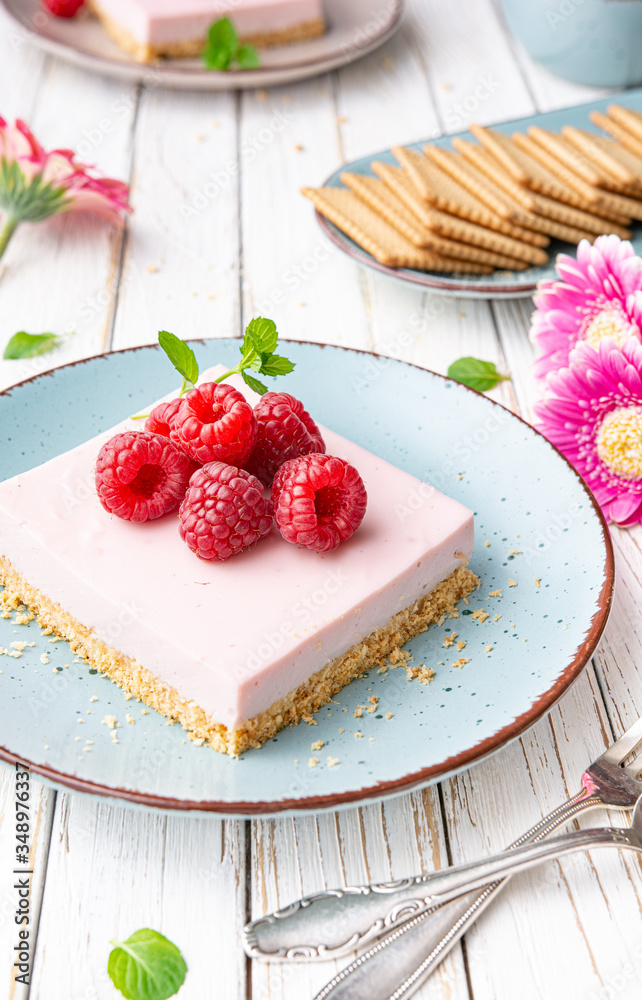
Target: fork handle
x: 335, y: 922
x: 422, y: 943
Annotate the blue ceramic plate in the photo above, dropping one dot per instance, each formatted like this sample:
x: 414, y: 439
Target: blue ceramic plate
x: 540, y: 634
x: 499, y: 284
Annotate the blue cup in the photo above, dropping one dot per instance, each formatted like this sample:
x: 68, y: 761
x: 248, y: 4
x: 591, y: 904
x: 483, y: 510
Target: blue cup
x: 594, y: 42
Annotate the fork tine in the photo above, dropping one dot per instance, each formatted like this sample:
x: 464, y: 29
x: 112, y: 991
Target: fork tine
x: 627, y: 742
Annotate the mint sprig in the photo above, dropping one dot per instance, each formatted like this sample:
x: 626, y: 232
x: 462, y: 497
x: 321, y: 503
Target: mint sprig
x: 29, y: 345
x: 147, y: 966
x: 476, y: 374
x: 257, y: 354
x: 222, y: 48
x: 182, y: 357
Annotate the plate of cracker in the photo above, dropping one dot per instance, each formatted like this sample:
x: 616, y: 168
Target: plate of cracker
x: 483, y: 214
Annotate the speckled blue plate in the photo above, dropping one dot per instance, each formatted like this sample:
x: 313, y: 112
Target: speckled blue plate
x: 499, y: 284
x: 535, y: 641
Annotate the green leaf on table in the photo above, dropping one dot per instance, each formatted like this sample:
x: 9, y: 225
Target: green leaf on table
x: 476, y: 374
x: 247, y: 57
x: 147, y: 966
x: 222, y: 48
x: 181, y: 356
x: 29, y: 345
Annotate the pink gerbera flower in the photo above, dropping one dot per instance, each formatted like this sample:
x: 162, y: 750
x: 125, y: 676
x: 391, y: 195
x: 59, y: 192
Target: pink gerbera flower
x: 598, y: 295
x: 35, y: 184
x: 592, y: 411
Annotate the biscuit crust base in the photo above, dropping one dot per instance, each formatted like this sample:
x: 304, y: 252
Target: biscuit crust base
x: 288, y: 711
x: 144, y: 52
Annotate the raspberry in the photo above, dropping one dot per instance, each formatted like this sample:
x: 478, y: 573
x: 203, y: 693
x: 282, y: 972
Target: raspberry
x: 162, y: 416
x: 285, y: 430
x: 141, y: 476
x: 214, y: 423
x: 319, y: 501
x: 223, y: 511
x: 62, y: 8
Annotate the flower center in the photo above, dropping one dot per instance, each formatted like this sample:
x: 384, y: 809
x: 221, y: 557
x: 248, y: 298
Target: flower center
x: 619, y: 441
x: 610, y: 322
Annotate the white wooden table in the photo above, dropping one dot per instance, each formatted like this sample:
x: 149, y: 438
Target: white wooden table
x: 220, y: 234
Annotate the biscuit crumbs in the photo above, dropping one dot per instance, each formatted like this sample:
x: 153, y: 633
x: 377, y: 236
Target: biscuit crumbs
x: 131, y: 720
x: 495, y: 593
x: 358, y: 712
x: 94, y: 697
x: 309, y: 719
x: 109, y: 720
x: 480, y: 615
x: 512, y: 583
x: 514, y: 552
x: 487, y: 544
x: 538, y: 581
x: 44, y: 658
x: 496, y: 618
x: 313, y: 762
x: 488, y: 649
x: 461, y: 662
x: 332, y: 761
x: 422, y: 673
x: 23, y: 618
x: 449, y: 640
x: 317, y: 745
x: 461, y: 645
x: 144, y: 711
x: 358, y: 735
x: 389, y: 715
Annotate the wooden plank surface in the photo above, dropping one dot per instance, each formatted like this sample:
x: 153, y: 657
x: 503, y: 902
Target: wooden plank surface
x: 220, y: 234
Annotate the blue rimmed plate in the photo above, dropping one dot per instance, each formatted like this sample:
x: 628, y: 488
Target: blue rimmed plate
x: 552, y: 545
x: 499, y: 284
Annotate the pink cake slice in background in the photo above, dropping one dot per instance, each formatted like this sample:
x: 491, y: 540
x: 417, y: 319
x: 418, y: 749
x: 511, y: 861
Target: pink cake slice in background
x: 233, y: 650
x: 149, y: 29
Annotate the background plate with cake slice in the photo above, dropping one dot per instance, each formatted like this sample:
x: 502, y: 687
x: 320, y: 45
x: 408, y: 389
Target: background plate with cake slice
x: 457, y: 692
x: 157, y: 42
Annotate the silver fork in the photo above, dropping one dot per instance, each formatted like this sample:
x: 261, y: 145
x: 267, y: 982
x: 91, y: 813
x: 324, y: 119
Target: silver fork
x: 332, y: 923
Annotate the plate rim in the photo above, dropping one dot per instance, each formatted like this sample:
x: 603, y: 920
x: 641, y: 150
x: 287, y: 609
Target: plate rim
x: 381, y: 789
x: 189, y: 79
x: 433, y: 279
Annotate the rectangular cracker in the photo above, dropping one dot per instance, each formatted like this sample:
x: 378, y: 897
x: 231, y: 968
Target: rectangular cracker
x: 453, y: 226
x: 605, y: 202
x: 436, y: 187
x: 598, y: 150
x: 386, y: 203
x: 623, y: 136
x: 354, y: 218
x: 540, y: 204
x: 628, y: 118
x: 538, y: 178
x: 574, y: 159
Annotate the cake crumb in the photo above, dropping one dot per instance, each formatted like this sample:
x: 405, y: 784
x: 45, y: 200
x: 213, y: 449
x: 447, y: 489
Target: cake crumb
x: 144, y: 711
x: 495, y: 593
x: 496, y: 618
x: 515, y: 552
x: 487, y: 544
x: 454, y: 614
x: 538, y: 581
x: 89, y: 742
x: 19, y: 645
x: 127, y: 696
x: 512, y: 583
x: 461, y: 662
x: 480, y: 615
x: 81, y: 721
x: 422, y: 673
x: 109, y: 720
x: 309, y: 719
x: 131, y: 720
x: 342, y: 730
x: 94, y: 697
x: 488, y: 649
x: 461, y: 645
x: 358, y: 735
x: 313, y: 762
x: 86, y: 749
x: 317, y: 745
x: 44, y: 658
x: 449, y: 640
x: 24, y: 619
x: 170, y: 722
x: 389, y: 715
x: 198, y: 741
x: 332, y: 761
x: 77, y: 738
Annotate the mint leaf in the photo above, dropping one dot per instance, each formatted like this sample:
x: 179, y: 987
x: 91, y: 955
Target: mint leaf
x: 261, y: 335
x: 146, y: 966
x: 247, y: 57
x: 254, y: 384
x: 222, y: 48
x: 222, y: 44
x: 274, y: 365
x: 476, y: 374
x: 181, y: 356
x: 29, y: 345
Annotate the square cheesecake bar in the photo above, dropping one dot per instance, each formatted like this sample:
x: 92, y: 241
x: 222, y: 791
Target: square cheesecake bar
x: 151, y: 29
x: 232, y: 650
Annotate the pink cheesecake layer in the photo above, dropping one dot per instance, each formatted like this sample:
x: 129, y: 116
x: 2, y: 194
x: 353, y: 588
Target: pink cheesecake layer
x: 159, y: 22
x: 233, y: 637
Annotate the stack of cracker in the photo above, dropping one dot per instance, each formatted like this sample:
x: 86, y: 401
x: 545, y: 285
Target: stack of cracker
x: 495, y: 203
